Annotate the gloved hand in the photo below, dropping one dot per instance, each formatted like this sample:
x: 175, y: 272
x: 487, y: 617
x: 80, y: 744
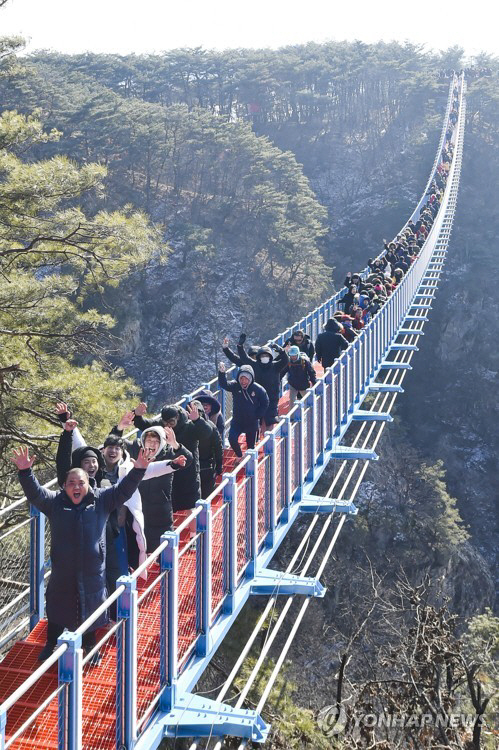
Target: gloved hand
x: 242, y: 339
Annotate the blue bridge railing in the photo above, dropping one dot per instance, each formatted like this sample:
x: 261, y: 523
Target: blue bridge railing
x: 176, y: 609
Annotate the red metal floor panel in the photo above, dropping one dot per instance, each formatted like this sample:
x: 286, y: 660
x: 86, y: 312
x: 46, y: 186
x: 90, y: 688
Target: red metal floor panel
x: 99, y: 683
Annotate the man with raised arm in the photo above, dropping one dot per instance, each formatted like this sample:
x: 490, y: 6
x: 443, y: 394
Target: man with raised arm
x: 249, y: 404
x: 189, y: 429
x: 156, y: 493
x: 77, y: 516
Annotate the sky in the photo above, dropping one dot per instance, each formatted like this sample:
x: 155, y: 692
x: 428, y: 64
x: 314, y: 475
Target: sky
x: 151, y: 26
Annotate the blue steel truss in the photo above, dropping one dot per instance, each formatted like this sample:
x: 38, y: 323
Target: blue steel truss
x: 251, y: 511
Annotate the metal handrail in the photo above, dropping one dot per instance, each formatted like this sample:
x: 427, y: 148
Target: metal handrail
x: 21, y: 690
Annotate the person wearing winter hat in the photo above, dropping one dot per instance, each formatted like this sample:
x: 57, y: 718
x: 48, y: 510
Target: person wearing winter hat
x: 189, y: 429
x: 267, y: 370
x: 156, y: 492
x: 213, y: 410
x: 301, y: 374
x: 249, y: 404
x: 302, y: 340
x: 330, y: 343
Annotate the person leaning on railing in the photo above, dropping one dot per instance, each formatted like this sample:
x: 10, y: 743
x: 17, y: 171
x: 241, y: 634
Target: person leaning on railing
x: 77, y: 516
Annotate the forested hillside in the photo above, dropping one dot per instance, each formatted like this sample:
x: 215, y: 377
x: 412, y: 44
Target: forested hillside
x: 149, y: 205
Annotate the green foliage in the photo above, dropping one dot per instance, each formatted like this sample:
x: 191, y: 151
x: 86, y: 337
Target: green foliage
x: 447, y: 527
x: 54, y: 258
x: 293, y: 727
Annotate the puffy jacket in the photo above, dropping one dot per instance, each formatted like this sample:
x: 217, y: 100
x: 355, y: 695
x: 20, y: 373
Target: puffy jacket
x: 330, y: 343
x: 216, y: 416
x: 77, y: 584
x: 301, y: 374
x: 248, y: 404
x: 211, y: 452
x: 266, y: 374
x: 304, y: 346
x: 156, y: 493
x: 186, y: 483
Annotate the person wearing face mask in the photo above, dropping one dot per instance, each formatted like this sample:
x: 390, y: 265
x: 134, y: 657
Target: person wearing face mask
x: 77, y: 515
x: 249, y: 404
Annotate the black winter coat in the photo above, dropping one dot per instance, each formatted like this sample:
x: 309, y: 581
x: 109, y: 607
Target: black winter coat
x: 156, y: 493
x: 306, y: 346
x: 211, y: 452
x: 301, y: 374
x: 329, y: 346
x: 77, y: 584
x: 266, y: 375
x: 186, y: 483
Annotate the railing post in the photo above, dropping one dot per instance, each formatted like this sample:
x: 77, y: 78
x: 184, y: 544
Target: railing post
x: 321, y: 416
x: 36, y: 566
x: 127, y: 609
x: 252, y: 471
x: 169, y: 639
x: 270, y: 451
x: 70, y: 703
x: 299, y: 417
x: 286, y: 434
x: 3, y: 724
x: 230, y: 497
x: 328, y: 383
x: 350, y: 381
x: 311, y: 398
x: 205, y: 527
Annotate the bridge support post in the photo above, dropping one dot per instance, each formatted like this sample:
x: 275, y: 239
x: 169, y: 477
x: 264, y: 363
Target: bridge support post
x: 270, y: 451
x: 287, y: 469
x: 169, y: 637
x: 320, y: 392
x: 312, y: 403
x: 300, y: 418
x: 328, y: 385
x: 70, y: 702
x: 3, y: 724
x: 37, y: 566
x: 252, y: 471
x: 205, y: 528
x: 126, y: 692
x: 196, y: 716
x: 230, y: 497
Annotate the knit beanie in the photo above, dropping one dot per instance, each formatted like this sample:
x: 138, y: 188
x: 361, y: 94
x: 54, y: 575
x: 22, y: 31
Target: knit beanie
x: 89, y: 453
x: 169, y: 412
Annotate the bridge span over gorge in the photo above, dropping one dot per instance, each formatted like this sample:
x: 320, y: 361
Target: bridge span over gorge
x: 170, y: 623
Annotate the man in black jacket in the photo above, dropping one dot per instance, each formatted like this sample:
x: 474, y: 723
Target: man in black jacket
x: 156, y: 493
x: 330, y: 343
x: 301, y: 374
x: 189, y: 429
x: 302, y: 340
x: 77, y: 517
x: 211, y: 455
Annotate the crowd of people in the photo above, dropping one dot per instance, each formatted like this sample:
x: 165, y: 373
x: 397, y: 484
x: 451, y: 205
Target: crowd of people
x: 116, y: 501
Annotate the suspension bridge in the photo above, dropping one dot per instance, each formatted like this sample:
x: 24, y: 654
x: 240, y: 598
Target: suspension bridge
x: 174, y: 611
